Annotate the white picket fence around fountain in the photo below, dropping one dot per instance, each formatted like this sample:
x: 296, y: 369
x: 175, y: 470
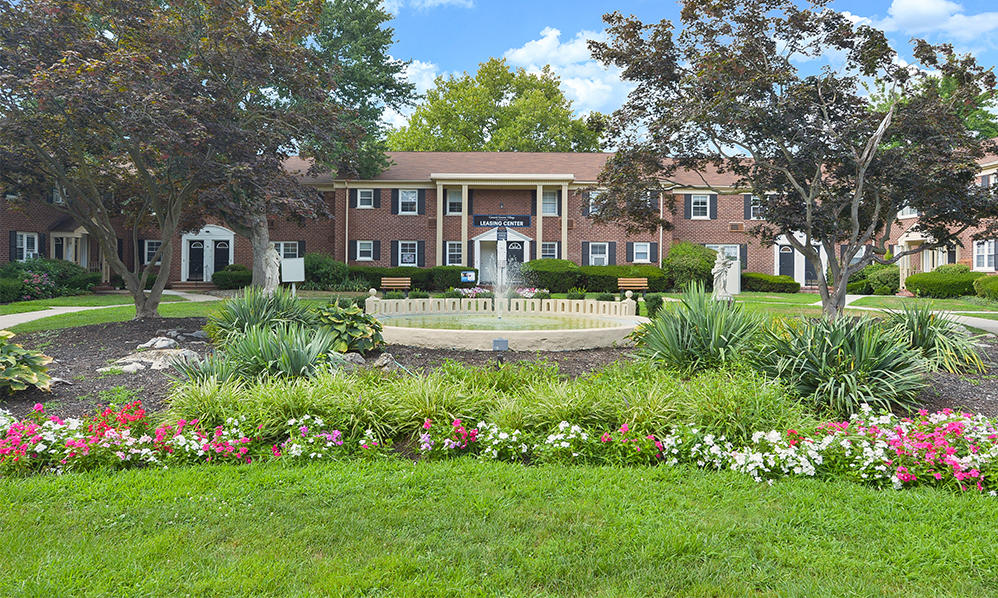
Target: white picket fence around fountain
x: 581, y: 307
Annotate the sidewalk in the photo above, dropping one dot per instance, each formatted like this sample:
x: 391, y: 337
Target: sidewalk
x: 989, y: 326
x: 10, y: 320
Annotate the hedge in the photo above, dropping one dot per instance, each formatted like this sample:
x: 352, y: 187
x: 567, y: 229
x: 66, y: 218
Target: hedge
x: 10, y: 290
x: 557, y: 276
x: 448, y: 277
x: 233, y: 276
x: 437, y: 278
x: 769, y: 283
x: 653, y: 303
x: 83, y: 282
x: 987, y: 287
x: 885, y: 280
x: 942, y: 284
x: 688, y: 262
x: 322, y: 269
x: 603, y: 279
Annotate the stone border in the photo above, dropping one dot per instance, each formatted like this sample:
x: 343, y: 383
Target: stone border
x: 583, y: 307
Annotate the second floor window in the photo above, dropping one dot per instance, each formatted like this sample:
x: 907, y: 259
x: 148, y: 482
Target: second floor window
x: 365, y: 198
x: 700, y: 206
x: 454, y: 201
x: 408, y: 201
x: 549, y: 203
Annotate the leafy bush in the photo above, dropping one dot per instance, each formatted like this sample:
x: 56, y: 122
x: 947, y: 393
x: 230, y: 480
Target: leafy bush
x: 653, y: 303
x: 20, y: 367
x: 688, y: 263
x: 10, y: 290
x: 446, y: 277
x: 233, y: 276
x: 419, y: 295
x: 606, y: 297
x: 257, y: 308
x: 35, y: 285
x: 700, y: 334
x: 885, y: 280
x: 556, y: 275
x: 604, y: 278
x: 322, y: 269
x: 449, y: 294
x: 394, y: 295
x: 352, y: 329
x: 541, y: 295
x: 938, y: 337
x: 576, y: 293
x: 82, y: 282
x: 842, y: 363
x: 942, y: 284
x: 985, y: 286
x: 424, y: 279
x: 59, y: 271
x: 953, y: 269
x: 768, y: 283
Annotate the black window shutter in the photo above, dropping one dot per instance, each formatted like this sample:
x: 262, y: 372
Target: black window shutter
x: 612, y: 251
x: 395, y: 207
x: 471, y: 254
x: 687, y: 206
x: 43, y: 246
x: 533, y: 202
x: 142, y: 251
x: 533, y: 251
x: 395, y: 253
x: 353, y: 250
x: 653, y: 253
x: 376, y: 250
x: 585, y: 253
x: 743, y: 255
x: 353, y: 198
x: 421, y: 201
x: 748, y: 206
x: 557, y: 248
x: 420, y: 253
x: 558, y: 202
x: 301, y: 248
x: 892, y: 249
x: 630, y: 252
x: 121, y: 249
x: 713, y: 207
x: 377, y: 198
x: 13, y: 245
x: 471, y: 201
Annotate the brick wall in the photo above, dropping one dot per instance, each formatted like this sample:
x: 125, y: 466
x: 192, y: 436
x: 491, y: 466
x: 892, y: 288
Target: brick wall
x: 584, y: 229
x: 730, y: 208
x: 31, y: 217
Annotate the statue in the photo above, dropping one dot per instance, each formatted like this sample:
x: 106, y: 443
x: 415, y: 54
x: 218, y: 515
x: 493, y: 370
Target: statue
x: 271, y: 269
x: 720, y: 271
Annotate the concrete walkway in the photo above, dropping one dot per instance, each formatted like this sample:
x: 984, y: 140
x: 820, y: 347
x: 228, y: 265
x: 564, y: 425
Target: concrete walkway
x: 989, y: 326
x: 10, y: 320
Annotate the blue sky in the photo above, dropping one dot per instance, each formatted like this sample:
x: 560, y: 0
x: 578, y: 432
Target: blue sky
x: 452, y: 36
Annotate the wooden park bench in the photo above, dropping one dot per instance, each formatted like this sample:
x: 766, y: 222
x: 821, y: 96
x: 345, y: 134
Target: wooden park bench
x: 632, y: 284
x: 396, y: 284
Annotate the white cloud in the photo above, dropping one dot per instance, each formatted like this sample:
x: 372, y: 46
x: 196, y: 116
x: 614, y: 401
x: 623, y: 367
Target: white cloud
x: 588, y: 84
x: 939, y: 16
x: 421, y: 74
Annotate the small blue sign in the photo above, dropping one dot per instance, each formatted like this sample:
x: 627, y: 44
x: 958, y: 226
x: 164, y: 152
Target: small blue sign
x: 467, y: 276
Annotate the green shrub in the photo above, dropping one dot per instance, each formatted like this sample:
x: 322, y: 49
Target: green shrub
x: 394, y: 295
x: 448, y: 277
x: 233, y: 276
x: 768, y: 283
x: 419, y: 295
x: 700, y: 334
x: 687, y: 263
x: 541, y: 295
x: 576, y: 293
x: 20, y: 367
x: 449, y: 294
x: 603, y: 279
x: 942, y: 284
x: 59, y: 271
x: 352, y: 329
x: 938, y: 337
x: 558, y: 276
x: 10, y: 290
x: 842, y: 363
x: 606, y: 297
x: 83, y: 282
x: 257, y: 308
x: 322, y: 269
x: 862, y: 282
x: 953, y: 269
x: 421, y: 277
x: 885, y: 279
x: 653, y: 303
x: 985, y: 286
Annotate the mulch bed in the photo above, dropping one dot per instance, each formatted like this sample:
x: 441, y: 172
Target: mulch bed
x: 80, y: 351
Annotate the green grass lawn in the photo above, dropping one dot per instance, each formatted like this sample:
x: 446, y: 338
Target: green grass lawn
x: 113, y: 314
x: 769, y: 298
x: 890, y: 302
x: 466, y: 528
x: 75, y: 300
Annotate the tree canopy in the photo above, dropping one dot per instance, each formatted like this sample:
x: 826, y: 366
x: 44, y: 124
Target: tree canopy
x: 828, y: 166
x: 498, y: 110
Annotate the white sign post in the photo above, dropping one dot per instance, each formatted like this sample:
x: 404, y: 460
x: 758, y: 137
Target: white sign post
x: 293, y: 270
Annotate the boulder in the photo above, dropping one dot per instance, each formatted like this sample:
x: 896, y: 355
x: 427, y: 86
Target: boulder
x: 159, y: 342
x: 385, y: 362
x: 354, y: 358
x: 158, y: 359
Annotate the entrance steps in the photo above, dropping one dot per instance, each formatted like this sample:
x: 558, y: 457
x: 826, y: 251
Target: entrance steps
x: 192, y: 286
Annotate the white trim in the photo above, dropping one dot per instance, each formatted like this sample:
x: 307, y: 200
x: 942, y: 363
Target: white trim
x: 634, y: 252
x: 415, y: 201
x: 20, y: 242
x: 280, y: 251
x: 145, y: 251
x: 554, y: 199
x: 988, y: 246
x: 605, y: 255
x: 208, y: 233
x: 370, y: 205
x: 693, y: 201
x: 505, y: 176
x: 370, y: 245
x: 447, y: 210
x: 447, y: 256
x: 491, y: 235
x: 552, y: 243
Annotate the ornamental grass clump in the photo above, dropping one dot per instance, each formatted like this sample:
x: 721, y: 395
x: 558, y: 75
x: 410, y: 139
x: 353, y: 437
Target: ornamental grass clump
x: 698, y: 334
x: 256, y: 307
x: 842, y: 363
x: 944, y: 343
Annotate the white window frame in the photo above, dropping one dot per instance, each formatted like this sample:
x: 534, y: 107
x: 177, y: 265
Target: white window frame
x: 21, y: 244
x: 406, y: 196
x: 365, y: 199
x: 647, y: 251
x: 984, y: 256
x: 448, y: 247
x: 694, y: 200
x: 148, y: 254
x: 552, y: 209
x: 549, y: 250
x: 726, y: 248
x: 605, y: 257
x: 755, y: 208
x: 448, y: 205
x: 365, y: 251
x: 280, y: 245
x: 415, y: 253
x: 591, y: 200
x: 907, y: 212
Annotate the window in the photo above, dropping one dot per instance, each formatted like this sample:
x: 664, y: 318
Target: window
x: 26, y: 246
x: 365, y: 251
x: 152, y: 246
x: 549, y: 251
x: 907, y: 212
x: 755, y: 212
x: 453, y: 253
x: 642, y: 253
x: 549, y: 203
x: 365, y: 198
x: 598, y: 254
x: 859, y: 255
x: 408, y: 201
x: 984, y: 255
x: 67, y: 248
x: 57, y: 196
x: 407, y: 253
x: 593, y: 205
x: 289, y: 249
x: 454, y: 201
x: 731, y: 251
x: 700, y: 207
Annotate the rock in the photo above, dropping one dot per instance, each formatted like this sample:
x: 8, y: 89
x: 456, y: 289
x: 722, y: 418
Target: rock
x: 385, y: 362
x: 159, y: 342
x: 158, y: 359
x: 128, y: 368
x: 56, y: 380
x: 198, y: 334
x: 355, y: 358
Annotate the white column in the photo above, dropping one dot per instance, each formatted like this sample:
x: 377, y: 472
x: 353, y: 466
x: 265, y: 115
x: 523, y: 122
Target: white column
x: 464, y: 224
x: 346, y: 221
x: 440, y: 225
x: 540, y: 221
x: 564, y: 221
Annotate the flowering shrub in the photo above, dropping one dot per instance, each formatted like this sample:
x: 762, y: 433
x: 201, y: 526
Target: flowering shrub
x: 475, y: 292
x: 37, y: 285
x: 529, y: 292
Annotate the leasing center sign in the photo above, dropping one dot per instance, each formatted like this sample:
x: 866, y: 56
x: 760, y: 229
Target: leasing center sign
x: 515, y: 220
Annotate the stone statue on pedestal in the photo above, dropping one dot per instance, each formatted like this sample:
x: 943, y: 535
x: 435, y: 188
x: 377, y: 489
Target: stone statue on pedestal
x: 720, y: 271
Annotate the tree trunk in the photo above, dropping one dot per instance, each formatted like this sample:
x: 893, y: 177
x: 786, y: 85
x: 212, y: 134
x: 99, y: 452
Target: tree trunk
x: 266, y: 269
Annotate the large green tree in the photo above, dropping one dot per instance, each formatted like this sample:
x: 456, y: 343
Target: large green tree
x: 830, y: 168
x: 498, y: 110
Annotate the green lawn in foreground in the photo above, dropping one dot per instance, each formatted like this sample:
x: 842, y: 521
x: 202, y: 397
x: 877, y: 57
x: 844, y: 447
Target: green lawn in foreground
x: 75, y: 300
x: 467, y: 528
x: 891, y: 302
x: 113, y: 314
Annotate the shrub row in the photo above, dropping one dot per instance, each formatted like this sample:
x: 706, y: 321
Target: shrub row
x: 561, y: 276
x: 43, y: 278
x: 233, y: 276
x: 437, y: 278
x: 987, y: 287
x: 768, y: 283
x: 943, y: 284
x: 876, y: 279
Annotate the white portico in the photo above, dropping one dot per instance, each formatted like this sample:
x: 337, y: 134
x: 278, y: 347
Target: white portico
x: 205, y: 252
x: 486, y: 254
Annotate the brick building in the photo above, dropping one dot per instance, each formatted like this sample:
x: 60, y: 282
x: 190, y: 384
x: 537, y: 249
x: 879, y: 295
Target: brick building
x: 449, y: 208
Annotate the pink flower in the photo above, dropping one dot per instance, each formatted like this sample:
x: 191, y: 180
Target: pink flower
x: 605, y: 437
x: 38, y: 407
x: 427, y: 424
x: 624, y: 428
